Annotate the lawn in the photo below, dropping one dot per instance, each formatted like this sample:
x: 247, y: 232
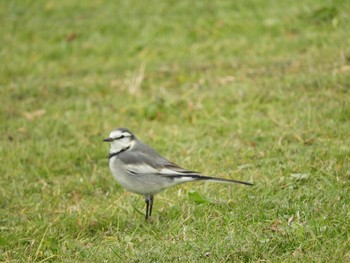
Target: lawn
x: 250, y: 90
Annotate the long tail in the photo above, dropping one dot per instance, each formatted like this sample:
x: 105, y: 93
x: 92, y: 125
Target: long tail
x: 201, y: 177
x: 188, y: 176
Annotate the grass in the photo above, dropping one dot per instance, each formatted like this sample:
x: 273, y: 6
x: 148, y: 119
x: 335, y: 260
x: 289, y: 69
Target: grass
x: 251, y: 90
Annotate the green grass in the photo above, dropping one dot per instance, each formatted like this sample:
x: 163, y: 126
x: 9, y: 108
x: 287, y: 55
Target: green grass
x: 251, y: 90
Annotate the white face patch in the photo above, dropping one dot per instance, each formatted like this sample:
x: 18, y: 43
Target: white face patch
x: 119, y: 134
x: 121, y: 140
x: 114, y: 134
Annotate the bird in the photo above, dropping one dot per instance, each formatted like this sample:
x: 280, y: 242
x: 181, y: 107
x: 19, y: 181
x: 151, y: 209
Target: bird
x: 141, y: 170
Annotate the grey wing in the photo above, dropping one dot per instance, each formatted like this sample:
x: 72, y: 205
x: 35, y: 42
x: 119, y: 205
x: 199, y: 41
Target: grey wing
x: 146, y: 161
x: 137, y: 162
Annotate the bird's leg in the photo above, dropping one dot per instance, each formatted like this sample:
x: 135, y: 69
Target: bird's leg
x: 147, y: 200
x: 151, y: 199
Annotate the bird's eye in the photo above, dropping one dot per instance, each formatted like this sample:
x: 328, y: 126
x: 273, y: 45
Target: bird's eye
x: 121, y: 137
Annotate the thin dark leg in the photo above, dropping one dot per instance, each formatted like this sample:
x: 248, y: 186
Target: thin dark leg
x: 147, y: 200
x: 151, y: 198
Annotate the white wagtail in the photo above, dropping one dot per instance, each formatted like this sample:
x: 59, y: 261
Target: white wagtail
x: 141, y: 170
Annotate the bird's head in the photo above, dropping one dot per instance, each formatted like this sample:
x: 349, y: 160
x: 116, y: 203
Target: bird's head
x: 120, y: 139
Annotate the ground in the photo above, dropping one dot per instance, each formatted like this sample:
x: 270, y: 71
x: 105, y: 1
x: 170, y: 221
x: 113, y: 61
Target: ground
x: 250, y: 90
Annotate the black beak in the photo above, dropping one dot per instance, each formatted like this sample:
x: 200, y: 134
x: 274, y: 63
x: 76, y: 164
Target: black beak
x: 108, y: 140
